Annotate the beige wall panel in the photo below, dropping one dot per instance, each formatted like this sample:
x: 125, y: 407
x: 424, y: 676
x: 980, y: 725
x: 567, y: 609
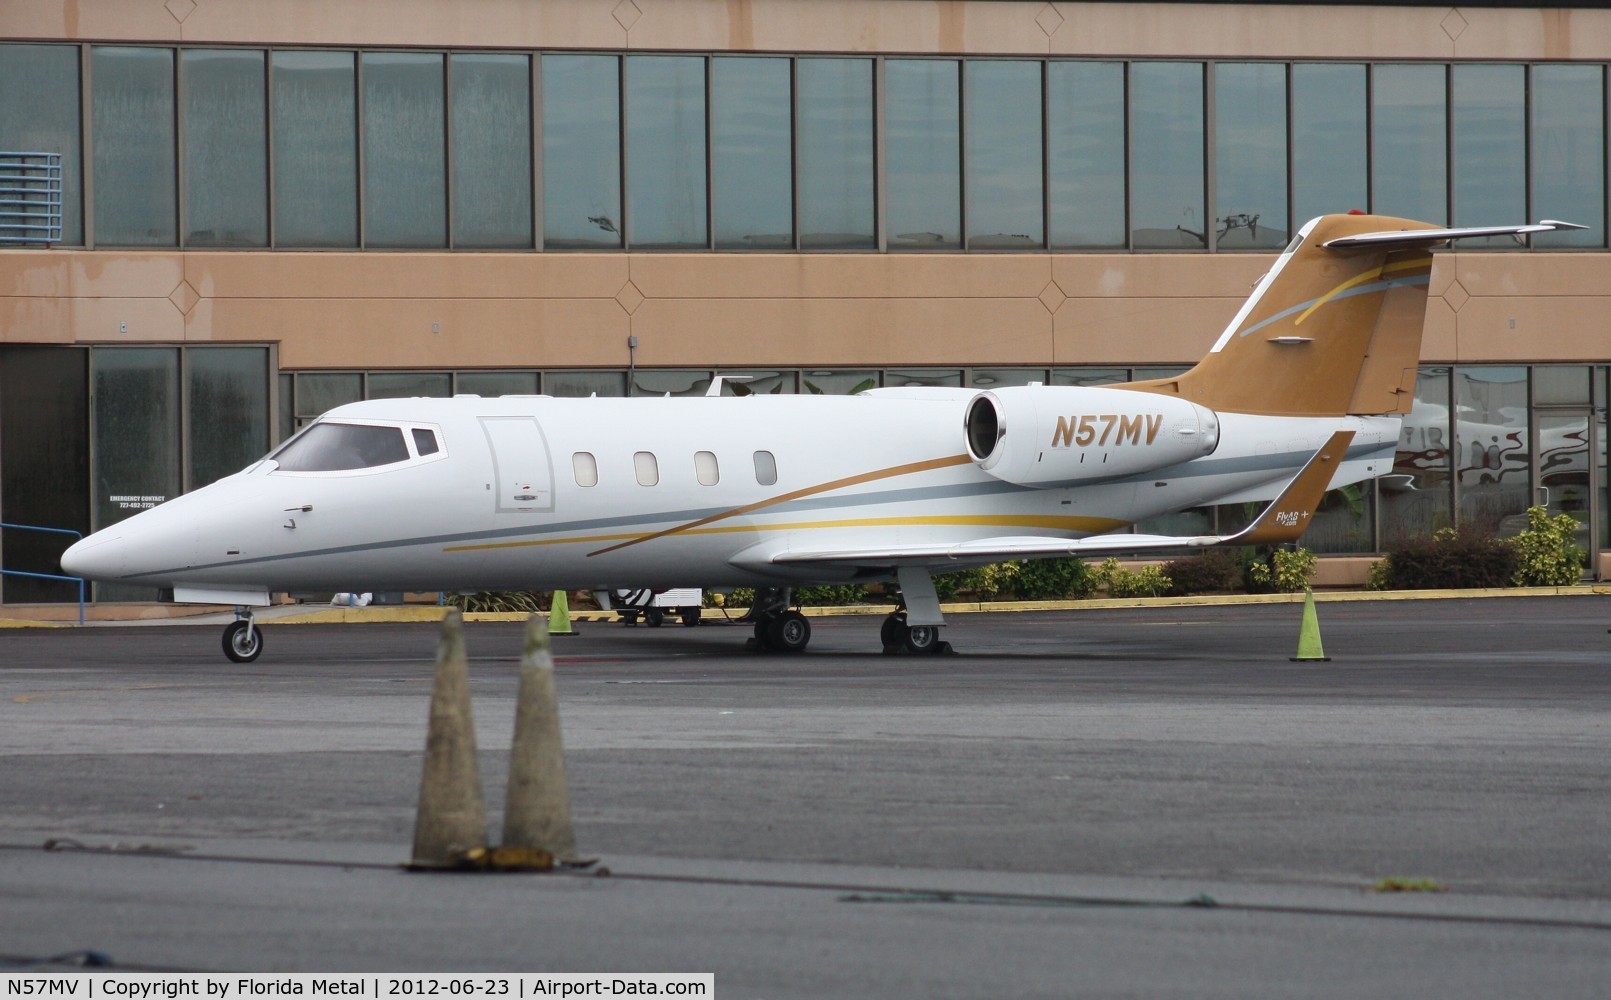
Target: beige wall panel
x: 1483, y: 274
x: 1534, y: 34
x: 380, y: 333
x: 1139, y: 330
x: 102, y: 273
x: 1439, y: 337
x: 841, y: 333
x: 434, y: 23
x: 660, y: 276
x: 102, y: 320
x: 840, y: 26
x: 1182, y: 275
x: 1557, y: 328
x: 406, y: 275
x: 144, y: 20
x: 1241, y: 31
x: 36, y: 321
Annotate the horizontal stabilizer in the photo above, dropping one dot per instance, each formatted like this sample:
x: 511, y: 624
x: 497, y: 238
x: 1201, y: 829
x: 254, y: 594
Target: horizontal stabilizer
x: 1428, y: 237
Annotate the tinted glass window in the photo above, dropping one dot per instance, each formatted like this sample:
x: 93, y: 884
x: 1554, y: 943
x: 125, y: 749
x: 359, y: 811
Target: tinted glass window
x: 405, y: 159
x: 317, y: 392
x: 314, y: 112
x: 1166, y: 167
x: 586, y: 468
x: 1415, y: 498
x: 401, y: 385
x: 750, y: 139
x: 135, y: 194
x: 425, y: 441
x: 666, y: 151
x: 1409, y: 147
x: 1250, y: 146
x: 226, y: 148
x: 1328, y: 140
x: 332, y: 447
x: 229, y: 409
x: 581, y: 151
x: 584, y: 383
x: 706, y: 468
x: 1569, y: 152
x: 1005, y: 199
x: 39, y: 111
x: 1493, y: 456
x: 766, y: 468
x: 491, y: 139
x: 646, y: 467
x: 923, y: 147
x: 1085, y: 145
x: 835, y: 153
x: 1490, y: 147
x: 496, y: 383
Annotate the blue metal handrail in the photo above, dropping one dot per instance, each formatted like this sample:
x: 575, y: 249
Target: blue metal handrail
x: 49, y: 576
x: 30, y: 197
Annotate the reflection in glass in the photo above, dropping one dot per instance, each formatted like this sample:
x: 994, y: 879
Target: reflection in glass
x: 132, y: 115
x: 226, y: 148
x: 750, y: 135
x: 675, y: 381
x: 584, y: 383
x: 835, y: 153
x: 1568, y: 152
x: 287, y: 391
x: 315, y: 122
x: 229, y: 410
x: 997, y: 378
x: 1490, y: 148
x: 135, y: 439
x: 405, y: 158
x: 319, y: 392
x: 44, y: 480
x: 1409, y: 142
x: 665, y: 101
x: 39, y: 112
x: 581, y: 152
x: 924, y: 376
x: 923, y: 133
x: 1563, y: 469
x: 1344, y: 522
x: 1492, y: 451
x: 1085, y: 145
x: 491, y: 143
x: 1250, y: 143
x: 1415, y: 497
x: 1558, y: 385
x: 404, y: 385
x: 1005, y: 196
x: 336, y: 447
x: 1090, y: 376
x: 1166, y: 165
x: 838, y: 383
x: 496, y: 383
x: 754, y: 383
x: 1329, y: 142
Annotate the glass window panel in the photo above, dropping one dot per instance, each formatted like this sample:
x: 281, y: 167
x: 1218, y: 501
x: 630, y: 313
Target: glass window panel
x: 132, y: 111
x: 835, y: 153
x: 1561, y: 385
x: 1492, y: 451
x: 44, y: 480
x: 751, y: 146
x: 838, y: 383
x: 766, y: 468
x: 226, y: 148
x: 403, y: 385
x: 752, y: 383
x: 405, y: 157
x: 1085, y: 140
x: 1004, y: 177
x: 581, y: 152
x: 923, y: 154
x: 1166, y: 162
x: 1490, y: 148
x: 1158, y: 371
x: 1345, y: 521
x: 425, y: 442
x: 1250, y: 149
x: 1329, y: 141
x: 584, y: 383
x: 496, y: 383
x: 287, y: 406
x: 1568, y: 153
x: 39, y: 112
x: 491, y: 140
x: 677, y: 382
x: 586, y: 468
x: 706, y: 468
x: 1090, y: 376
x: 996, y: 378
x: 924, y: 376
x: 1409, y: 142
x: 324, y: 391
x: 336, y: 447
x: 314, y: 116
x: 135, y: 439
x: 229, y: 410
x: 1415, y: 497
x: 665, y: 100
x: 646, y: 467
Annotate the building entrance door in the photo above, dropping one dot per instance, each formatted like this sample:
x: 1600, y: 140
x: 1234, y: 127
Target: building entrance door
x: 1565, y: 470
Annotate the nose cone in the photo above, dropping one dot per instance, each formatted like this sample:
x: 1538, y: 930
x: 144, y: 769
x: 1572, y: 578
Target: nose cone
x: 149, y: 547
x: 102, y: 556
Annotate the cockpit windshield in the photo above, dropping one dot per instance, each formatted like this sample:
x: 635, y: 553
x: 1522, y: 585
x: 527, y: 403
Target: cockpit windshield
x: 335, y: 447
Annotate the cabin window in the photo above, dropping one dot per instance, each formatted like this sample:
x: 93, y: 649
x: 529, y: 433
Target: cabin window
x: 586, y: 468
x: 425, y: 441
x: 647, y: 468
x: 336, y: 447
x: 766, y: 468
x: 706, y: 469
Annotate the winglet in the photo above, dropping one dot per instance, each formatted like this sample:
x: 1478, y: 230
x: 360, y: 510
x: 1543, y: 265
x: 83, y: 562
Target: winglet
x: 1290, y: 513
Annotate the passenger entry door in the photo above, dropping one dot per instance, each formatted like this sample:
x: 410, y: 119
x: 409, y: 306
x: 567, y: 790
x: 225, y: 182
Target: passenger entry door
x: 522, y: 473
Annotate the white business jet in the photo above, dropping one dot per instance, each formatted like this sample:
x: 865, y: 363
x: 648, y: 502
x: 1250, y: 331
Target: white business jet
x: 1303, y: 391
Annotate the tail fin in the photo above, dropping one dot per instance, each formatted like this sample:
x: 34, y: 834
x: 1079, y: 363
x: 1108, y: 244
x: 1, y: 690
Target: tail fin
x: 1335, y: 326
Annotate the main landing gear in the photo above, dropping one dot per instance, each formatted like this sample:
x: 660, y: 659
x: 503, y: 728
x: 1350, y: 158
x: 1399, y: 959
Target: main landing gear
x: 900, y: 638
x: 243, y: 640
x: 913, y: 628
x: 778, y: 627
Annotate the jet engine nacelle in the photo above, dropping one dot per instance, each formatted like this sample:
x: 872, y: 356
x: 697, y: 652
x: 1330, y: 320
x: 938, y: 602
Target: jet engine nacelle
x: 1054, y: 436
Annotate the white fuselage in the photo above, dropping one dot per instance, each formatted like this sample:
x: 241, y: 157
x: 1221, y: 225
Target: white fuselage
x: 504, y: 503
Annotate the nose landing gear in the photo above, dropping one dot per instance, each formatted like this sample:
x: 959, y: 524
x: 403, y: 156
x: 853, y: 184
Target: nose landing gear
x: 243, y: 641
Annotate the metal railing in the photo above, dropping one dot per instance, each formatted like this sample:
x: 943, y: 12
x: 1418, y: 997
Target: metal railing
x: 49, y: 576
x: 30, y: 197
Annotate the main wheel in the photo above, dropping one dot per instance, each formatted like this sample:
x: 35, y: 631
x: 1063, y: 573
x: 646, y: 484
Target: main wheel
x: 788, y: 632
x: 922, y: 638
x: 242, y: 642
x: 893, y: 631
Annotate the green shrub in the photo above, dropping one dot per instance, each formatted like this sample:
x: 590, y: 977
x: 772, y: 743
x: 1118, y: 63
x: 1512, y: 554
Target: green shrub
x: 1547, y: 553
x: 1055, y: 579
x: 1379, y: 577
x: 1148, y: 581
x: 1446, y: 560
x: 1207, y: 572
x: 1284, y: 571
x: 948, y: 586
x: 997, y: 580
x: 830, y: 595
x: 500, y: 600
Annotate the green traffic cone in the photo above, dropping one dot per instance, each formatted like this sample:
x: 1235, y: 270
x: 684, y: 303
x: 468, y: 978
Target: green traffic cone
x: 559, y: 615
x: 1309, y: 648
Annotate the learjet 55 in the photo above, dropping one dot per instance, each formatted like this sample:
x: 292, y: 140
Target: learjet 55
x: 1304, y: 391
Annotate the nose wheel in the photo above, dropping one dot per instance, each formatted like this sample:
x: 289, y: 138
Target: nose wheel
x: 243, y: 640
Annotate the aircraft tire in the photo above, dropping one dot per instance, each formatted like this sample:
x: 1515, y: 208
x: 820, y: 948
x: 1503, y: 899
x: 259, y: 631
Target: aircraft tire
x: 238, y: 647
x: 893, y: 631
x: 788, y: 632
x: 922, y: 638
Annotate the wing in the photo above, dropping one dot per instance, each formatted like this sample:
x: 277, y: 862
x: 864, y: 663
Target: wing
x: 1282, y: 521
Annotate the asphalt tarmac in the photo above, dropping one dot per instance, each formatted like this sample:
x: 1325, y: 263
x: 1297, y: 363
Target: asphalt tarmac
x: 1147, y: 802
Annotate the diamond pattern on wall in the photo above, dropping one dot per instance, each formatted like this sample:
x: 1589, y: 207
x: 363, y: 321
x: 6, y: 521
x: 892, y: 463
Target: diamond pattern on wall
x: 184, y: 297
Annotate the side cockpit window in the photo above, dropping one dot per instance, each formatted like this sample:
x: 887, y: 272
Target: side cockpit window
x: 425, y: 441
x: 337, y: 447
